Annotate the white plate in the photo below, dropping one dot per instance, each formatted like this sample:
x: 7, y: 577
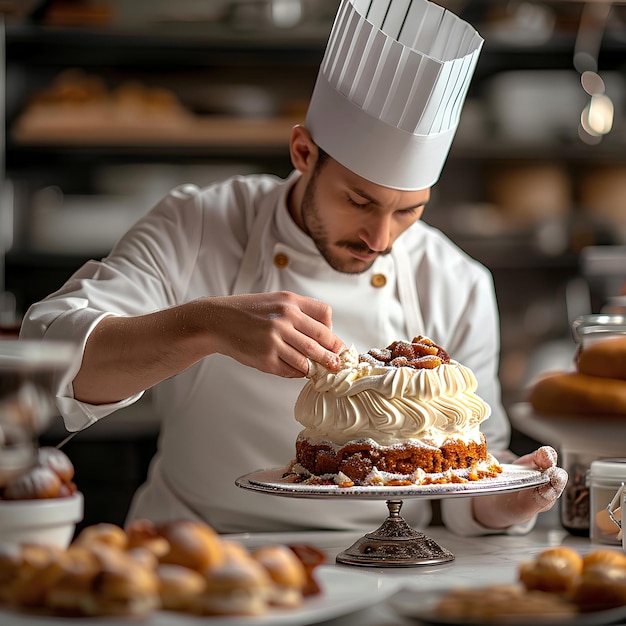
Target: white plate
x: 512, y: 478
x: 599, y: 434
x: 343, y: 592
x: 419, y: 605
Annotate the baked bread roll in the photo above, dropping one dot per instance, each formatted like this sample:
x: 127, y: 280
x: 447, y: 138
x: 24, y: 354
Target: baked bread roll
x: 10, y: 561
x: 56, y: 460
x: 240, y: 586
x: 36, y: 483
x: 287, y: 573
x: 604, y: 557
x: 142, y: 533
x: 179, y: 587
x: 606, y: 358
x: 601, y: 586
x: 103, y: 533
x: 79, y: 567
x: 563, y: 393
x: 192, y: 544
x: 555, y: 570
x: 126, y: 589
x: 37, y: 572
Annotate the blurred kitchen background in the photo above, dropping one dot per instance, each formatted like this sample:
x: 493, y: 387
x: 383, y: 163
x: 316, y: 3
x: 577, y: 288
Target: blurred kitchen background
x: 110, y: 103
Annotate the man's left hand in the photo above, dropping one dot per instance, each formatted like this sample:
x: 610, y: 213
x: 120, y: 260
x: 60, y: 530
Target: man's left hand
x: 508, y: 509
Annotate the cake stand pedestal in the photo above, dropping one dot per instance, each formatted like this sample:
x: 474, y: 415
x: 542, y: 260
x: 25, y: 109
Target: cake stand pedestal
x: 395, y: 543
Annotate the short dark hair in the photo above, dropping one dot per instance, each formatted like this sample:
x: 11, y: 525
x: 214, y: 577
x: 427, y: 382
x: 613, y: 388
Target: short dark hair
x: 322, y: 157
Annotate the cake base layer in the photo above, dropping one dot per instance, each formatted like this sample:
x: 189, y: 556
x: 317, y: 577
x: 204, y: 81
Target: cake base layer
x: 358, y: 459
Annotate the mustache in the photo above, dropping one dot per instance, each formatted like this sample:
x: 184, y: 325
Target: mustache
x: 361, y: 248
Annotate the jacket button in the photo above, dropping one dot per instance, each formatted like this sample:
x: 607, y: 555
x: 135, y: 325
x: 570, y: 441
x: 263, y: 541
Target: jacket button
x: 281, y: 260
x: 379, y: 280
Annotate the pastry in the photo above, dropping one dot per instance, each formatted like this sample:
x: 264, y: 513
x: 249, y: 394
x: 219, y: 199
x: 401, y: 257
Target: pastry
x: 556, y: 570
x: 605, y: 358
x: 575, y: 393
x: 179, y: 587
x: 601, y: 586
x: 37, y: 482
x: 192, y: 544
x: 143, y: 533
x: 103, y: 533
x: 287, y: 573
x: 239, y: 586
x: 57, y: 461
x: 498, y: 604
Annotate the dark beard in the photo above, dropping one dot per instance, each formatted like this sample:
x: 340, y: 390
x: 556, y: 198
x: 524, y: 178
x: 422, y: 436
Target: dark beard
x: 315, y: 229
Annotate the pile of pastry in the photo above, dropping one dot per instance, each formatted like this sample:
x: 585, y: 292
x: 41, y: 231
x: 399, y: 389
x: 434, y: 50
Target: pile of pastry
x: 51, y: 476
x: 558, y: 582
x: 179, y: 566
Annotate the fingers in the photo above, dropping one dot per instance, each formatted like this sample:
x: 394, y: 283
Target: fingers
x: 540, y: 459
x: 504, y: 510
x: 546, y: 495
x: 279, y: 333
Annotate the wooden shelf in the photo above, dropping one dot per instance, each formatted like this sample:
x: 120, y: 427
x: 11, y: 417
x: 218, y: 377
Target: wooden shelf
x: 213, y: 132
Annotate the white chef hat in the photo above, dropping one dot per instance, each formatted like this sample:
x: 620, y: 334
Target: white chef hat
x: 390, y: 89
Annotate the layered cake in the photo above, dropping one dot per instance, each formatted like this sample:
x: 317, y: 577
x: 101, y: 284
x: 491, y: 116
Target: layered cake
x: 405, y: 414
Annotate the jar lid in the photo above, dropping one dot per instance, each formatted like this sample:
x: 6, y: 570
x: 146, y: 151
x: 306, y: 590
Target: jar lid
x: 608, y: 468
x: 587, y: 328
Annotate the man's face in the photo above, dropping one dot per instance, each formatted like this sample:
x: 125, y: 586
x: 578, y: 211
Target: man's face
x: 351, y: 220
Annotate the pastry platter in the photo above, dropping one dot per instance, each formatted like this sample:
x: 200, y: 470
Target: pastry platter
x: 420, y: 605
x: 394, y: 543
x: 342, y: 593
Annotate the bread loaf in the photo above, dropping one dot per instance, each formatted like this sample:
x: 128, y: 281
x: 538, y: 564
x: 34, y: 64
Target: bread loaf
x: 606, y: 358
x: 580, y: 394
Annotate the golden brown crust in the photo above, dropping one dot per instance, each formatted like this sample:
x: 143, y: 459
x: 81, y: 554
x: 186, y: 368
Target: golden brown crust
x: 103, y: 533
x: 36, y: 483
x: 286, y: 571
x: 142, y: 533
x: 601, y: 586
x: 606, y: 359
x: 573, y: 393
x: 555, y: 570
x: 604, y: 557
x: 192, y: 544
x: 179, y: 587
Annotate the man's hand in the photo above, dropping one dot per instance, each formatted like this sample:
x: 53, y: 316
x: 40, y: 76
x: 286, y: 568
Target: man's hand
x: 508, y: 509
x: 274, y: 332
x: 278, y: 333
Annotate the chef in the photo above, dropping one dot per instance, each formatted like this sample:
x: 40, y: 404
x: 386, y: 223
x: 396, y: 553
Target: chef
x: 219, y: 297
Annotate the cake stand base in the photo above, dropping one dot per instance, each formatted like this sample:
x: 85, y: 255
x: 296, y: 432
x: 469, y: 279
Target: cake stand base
x: 395, y: 544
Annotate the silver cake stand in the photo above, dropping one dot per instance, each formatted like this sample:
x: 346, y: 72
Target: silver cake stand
x: 395, y: 543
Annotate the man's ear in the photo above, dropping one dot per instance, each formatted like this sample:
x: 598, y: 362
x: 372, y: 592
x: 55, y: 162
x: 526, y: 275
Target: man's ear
x: 302, y: 149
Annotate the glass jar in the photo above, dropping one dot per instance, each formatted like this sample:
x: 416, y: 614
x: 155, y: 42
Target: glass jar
x: 604, y: 479
x: 575, y: 505
x: 588, y: 329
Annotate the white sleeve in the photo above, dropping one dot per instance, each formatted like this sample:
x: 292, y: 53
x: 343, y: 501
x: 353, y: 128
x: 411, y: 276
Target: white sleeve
x: 146, y: 271
x: 456, y: 514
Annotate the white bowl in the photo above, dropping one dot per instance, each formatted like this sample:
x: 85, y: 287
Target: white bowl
x: 49, y: 521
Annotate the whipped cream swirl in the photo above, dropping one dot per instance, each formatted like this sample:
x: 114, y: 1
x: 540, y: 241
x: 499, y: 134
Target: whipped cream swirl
x: 390, y: 405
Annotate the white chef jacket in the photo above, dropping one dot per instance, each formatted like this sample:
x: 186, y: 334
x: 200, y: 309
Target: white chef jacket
x: 220, y: 419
